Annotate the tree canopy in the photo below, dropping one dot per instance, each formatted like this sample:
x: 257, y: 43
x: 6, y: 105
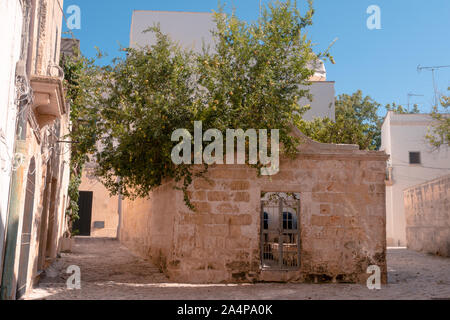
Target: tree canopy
x: 250, y: 78
x: 357, y: 122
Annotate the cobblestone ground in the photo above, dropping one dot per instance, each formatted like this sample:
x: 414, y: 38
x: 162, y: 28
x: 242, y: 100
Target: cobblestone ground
x: 110, y: 271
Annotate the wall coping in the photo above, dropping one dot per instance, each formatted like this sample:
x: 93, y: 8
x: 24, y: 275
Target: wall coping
x: 442, y: 178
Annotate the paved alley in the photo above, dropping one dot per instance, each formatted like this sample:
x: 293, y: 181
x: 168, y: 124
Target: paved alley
x: 110, y: 271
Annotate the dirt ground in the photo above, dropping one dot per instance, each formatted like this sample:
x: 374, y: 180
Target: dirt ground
x: 109, y: 271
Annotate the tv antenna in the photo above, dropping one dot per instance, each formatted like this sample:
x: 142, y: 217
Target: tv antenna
x: 433, y: 69
x: 409, y: 98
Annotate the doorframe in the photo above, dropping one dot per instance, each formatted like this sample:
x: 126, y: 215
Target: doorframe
x: 281, y: 232
x: 27, y: 226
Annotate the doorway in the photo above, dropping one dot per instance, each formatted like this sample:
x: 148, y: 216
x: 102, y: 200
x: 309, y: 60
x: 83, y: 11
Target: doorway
x: 280, y: 231
x: 82, y: 226
x: 26, y: 231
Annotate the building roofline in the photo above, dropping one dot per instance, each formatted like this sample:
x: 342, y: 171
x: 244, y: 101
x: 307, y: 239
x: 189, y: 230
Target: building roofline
x: 167, y: 11
x: 412, y: 115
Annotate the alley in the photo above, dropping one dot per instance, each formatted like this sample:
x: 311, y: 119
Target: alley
x: 110, y: 271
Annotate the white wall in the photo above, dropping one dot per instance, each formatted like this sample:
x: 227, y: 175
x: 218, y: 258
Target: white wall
x: 189, y: 29
x: 323, y: 103
x: 10, y: 36
x: 192, y: 29
x: 400, y: 135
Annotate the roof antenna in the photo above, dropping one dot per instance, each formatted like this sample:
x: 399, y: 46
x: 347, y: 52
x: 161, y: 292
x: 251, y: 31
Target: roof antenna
x: 409, y: 98
x: 433, y: 69
x: 260, y: 8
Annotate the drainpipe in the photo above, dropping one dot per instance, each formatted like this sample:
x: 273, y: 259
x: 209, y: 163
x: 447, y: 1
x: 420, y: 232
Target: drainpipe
x: 17, y: 192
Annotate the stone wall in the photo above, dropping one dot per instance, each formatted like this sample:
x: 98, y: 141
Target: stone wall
x: 427, y: 210
x: 342, y: 220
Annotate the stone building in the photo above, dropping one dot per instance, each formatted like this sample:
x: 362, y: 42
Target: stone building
x: 39, y: 166
x: 322, y: 218
x: 99, y: 214
x: 11, y: 25
x: 427, y: 212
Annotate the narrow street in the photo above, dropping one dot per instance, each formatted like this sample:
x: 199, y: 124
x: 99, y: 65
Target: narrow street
x: 110, y: 271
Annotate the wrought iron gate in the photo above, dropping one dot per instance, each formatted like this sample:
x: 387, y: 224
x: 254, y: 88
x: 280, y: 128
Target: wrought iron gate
x: 280, y: 231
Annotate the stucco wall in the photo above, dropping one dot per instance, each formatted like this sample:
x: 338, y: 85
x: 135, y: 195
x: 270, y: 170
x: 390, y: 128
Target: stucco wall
x: 104, y: 207
x: 401, y: 134
x: 342, y: 221
x: 39, y: 143
x: 427, y: 210
x: 11, y: 19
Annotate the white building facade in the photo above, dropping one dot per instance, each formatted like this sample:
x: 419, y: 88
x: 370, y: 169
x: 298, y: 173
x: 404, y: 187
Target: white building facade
x: 11, y: 21
x: 413, y: 161
x: 192, y: 30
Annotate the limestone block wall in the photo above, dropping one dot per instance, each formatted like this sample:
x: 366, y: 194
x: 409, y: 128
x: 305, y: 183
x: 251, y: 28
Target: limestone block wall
x: 46, y: 27
x: 342, y: 221
x: 427, y: 210
x: 148, y: 224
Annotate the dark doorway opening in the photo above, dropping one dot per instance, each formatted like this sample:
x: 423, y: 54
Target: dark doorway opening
x: 26, y: 231
x: 82, y: 226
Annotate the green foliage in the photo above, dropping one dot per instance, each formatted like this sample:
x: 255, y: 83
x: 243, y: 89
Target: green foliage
x: 440, y: 131
x: 357, y: 122
x: 82, y: 86
x: 402, y: 110
x: 251, y: 78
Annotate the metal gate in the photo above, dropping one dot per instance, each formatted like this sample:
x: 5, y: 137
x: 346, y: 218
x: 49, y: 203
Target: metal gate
x: 280, y: 231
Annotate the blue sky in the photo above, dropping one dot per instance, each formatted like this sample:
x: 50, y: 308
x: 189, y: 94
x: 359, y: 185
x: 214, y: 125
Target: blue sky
x: 382, y: 63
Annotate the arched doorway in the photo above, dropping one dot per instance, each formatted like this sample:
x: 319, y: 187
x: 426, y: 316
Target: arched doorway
x: 26, y: 231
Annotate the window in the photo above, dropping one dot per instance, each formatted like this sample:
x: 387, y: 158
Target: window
x: 289, y: 221
x: 414, y: 158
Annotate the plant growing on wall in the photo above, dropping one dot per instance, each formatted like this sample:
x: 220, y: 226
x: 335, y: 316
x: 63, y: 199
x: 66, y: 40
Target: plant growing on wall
x: 250, y: 78
x: 440, y: 131
x: 81, y: 83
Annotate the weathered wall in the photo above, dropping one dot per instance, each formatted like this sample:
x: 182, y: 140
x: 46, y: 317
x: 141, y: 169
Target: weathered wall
x: 148, y: 224
x: 11, y: 19
x: 342, y: 220
x: 402, y: 133
x: 104, y: 207
x: 40, y: 55
x: 427, y: 210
